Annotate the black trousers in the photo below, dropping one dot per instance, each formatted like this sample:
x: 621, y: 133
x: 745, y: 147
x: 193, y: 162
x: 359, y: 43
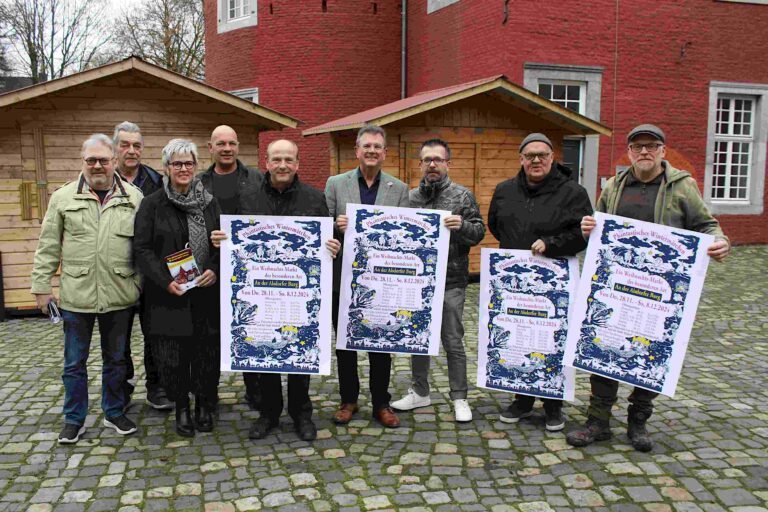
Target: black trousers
x: 150, y: 367
x: 271, y: 406
x: 188, y: 365
x: 604, y: 393
x: 525, y: 403
x: 349, y: 381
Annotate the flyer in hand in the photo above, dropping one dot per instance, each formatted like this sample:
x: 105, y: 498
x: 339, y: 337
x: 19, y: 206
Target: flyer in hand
x: 183, y: 268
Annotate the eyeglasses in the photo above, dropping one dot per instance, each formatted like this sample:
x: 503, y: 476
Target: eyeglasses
x: 530, y: 157
x: 178, y: 165
x: 652, y: 147
x: 90, y: 162
x: 373, y: 147
x: 436, y: 161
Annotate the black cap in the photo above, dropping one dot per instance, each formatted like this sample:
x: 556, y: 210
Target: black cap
x: 646, y: 129
x: 535, y: 137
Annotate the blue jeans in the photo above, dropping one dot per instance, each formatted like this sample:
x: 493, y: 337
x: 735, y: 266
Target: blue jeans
x: 78, y: 329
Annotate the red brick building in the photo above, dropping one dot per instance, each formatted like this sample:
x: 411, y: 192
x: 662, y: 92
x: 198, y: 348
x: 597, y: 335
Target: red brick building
x: 696, y: 68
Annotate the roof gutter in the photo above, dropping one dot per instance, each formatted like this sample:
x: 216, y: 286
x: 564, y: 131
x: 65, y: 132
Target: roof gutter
x: 404, y: 50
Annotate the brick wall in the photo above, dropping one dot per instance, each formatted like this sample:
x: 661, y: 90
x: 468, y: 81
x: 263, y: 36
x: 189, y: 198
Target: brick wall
x: 662, y: 62
x: 313, y: 65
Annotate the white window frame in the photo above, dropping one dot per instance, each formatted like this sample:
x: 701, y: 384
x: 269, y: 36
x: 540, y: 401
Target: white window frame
x: 251, y: 94
x: 582, y: 92
x: 225, y: 24
x: 753, y: 204
x: 591, y: 77
x: 436, y: 5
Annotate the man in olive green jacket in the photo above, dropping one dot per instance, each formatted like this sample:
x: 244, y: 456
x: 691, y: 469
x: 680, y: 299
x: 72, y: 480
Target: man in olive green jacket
x: 88, y: 230
x: 650, y: 190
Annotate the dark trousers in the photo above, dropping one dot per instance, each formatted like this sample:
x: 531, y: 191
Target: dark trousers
x: 299, y: 404
x: 152, y: 376
x: 188, y: 365
x: 349, y: 381
x: 525, y: 403
x: 604, y: 393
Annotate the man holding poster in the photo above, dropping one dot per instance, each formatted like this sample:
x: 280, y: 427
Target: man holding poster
x: 651, y: 190
x: 437, y: 191
x: 366, y: 184
x: 281, y: 194
x: 539, y: 209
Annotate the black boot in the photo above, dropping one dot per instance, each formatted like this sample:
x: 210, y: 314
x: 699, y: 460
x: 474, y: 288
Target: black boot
x: 184, y: 425
x: 203, y: 415
x: 593, y: 430
x: 636, y: 432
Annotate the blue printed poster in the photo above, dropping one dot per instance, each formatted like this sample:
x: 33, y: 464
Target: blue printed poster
x: 637, y: 301
x: 393, y: 280
x: 523, y: 323
x: 276, y: 281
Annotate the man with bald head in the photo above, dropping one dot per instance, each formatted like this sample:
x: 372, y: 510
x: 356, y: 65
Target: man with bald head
x: 225, y: 179
x: 282, y: 194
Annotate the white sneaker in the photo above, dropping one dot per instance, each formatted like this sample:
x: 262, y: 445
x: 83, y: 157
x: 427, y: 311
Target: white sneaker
x: 411, y: 401
x: 461, y: 410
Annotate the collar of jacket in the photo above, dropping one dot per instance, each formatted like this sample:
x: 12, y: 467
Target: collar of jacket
x: 240, y: 168
x: 430, y: 189
x: 117, y: 189
x: 552, y: 181
x: 269, y: 189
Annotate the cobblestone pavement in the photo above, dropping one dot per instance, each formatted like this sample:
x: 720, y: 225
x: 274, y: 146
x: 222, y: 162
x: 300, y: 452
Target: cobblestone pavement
x: 711, y: 449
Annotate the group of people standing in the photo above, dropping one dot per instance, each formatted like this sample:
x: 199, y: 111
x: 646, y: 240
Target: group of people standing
x: 111, y: 246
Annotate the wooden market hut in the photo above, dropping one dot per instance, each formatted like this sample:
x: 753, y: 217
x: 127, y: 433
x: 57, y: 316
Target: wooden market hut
x: 483, y: 121
x: 43, y: 126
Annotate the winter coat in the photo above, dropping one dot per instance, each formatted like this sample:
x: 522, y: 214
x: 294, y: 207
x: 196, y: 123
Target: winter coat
x: 447, y: 195
x: 93, y: 244
x: 298, y: 199
x: 519, y: 215
x: 247, y: 178
x: 679, y: 203
x: 161, y: 230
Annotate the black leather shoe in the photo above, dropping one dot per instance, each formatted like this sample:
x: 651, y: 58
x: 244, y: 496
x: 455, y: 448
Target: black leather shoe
x: 203, y: 416
x: 184, y: 425
x: 305, y: 429
x: 261, y: 428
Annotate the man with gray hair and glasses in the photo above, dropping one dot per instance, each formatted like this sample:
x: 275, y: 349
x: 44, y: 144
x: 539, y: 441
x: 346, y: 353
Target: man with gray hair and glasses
x: 88, y: 231
x: 129, y: 145
x: 651, y: 190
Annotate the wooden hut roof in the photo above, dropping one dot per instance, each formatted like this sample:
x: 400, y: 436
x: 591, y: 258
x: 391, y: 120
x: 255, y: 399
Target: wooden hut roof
x: 509, y: 95
x: 135, y: 67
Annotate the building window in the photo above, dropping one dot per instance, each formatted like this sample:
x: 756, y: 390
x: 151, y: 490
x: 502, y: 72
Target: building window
x: 436, y: 5
x: 568, y: 94
x: 577, y: 88
x: 234, y: 14
x: 736, y: 142
x: 251, y: 94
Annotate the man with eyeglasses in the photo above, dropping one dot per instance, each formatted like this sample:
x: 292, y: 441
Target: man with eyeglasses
x: 129, y: 145
x: 366, y: 184
x: 88, y: 230
x: 650, y: 190
x: 437, y: 191
x: 539, y: 210
x: 225, y: 179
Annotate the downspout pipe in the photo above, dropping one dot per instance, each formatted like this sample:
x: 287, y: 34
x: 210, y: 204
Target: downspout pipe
x: 404, y: 50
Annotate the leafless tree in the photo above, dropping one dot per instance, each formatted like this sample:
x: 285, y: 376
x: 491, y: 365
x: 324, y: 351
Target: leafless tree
x: 169, y: 33
x: 52, y: 38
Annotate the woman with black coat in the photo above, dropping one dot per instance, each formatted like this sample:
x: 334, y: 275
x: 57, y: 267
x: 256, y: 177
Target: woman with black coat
x: 184, y: 323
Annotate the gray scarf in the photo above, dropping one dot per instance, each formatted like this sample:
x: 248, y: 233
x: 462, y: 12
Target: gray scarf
x: 193, y: 204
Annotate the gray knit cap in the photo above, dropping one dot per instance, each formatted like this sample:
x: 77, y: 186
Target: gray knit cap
x: 535, y: 137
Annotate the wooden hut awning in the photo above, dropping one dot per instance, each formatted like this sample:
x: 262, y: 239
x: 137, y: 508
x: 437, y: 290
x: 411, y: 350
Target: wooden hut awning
x: 497, y: 86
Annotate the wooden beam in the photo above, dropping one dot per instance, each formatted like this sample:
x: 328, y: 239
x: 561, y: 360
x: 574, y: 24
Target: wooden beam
x: 41, y: 175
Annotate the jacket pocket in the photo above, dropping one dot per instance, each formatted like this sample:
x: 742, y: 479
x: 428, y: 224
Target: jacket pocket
x: 77, y: 286
x: 74, y: 218
x: 126, y: 287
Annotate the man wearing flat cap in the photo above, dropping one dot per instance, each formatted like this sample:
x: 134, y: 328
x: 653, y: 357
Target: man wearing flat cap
x: 650, y: 190
x: 539, y: 209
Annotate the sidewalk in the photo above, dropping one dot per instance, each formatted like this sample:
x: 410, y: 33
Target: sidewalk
x: 711, y: 450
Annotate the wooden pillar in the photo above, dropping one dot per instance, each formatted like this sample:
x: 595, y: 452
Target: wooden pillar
x: 41, y: 174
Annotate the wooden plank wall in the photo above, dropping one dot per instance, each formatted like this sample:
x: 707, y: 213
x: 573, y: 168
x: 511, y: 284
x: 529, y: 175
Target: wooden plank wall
x: 481, y: 159
x: 65, y: 123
